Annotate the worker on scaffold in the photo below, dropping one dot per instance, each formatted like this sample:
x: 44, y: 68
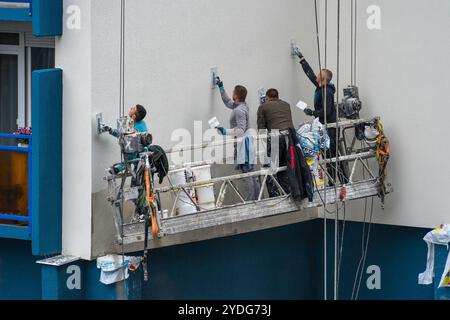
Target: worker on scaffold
x: 137, y: 114
x: 239, y: 124
x: 324, y: 111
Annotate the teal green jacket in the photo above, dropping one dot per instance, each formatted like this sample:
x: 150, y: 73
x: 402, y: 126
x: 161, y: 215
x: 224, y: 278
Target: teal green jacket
x: 139, y: 126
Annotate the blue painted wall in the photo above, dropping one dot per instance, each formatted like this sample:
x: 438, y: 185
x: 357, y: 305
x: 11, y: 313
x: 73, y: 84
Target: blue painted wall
x: 20, y: 276
x: 287, y: 263
x: 281, y: 263
x: 400, y: 252
x: 441, y: 254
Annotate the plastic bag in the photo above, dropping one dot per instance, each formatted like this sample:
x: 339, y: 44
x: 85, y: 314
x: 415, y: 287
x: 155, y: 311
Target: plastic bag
x: 320, y: 129
x: 445, y: 280
x: 440, y: 236
x: 312, y: 138
x: 115, y: 268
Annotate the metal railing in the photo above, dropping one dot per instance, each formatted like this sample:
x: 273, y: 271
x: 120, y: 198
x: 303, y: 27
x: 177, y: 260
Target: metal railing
x: 28, y: 150
x: 14, y: 4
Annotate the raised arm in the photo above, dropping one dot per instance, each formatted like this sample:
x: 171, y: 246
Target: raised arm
x: 307, y: 68
x: 228, y: 102
x: 226, y: 99
x: 309, y: 72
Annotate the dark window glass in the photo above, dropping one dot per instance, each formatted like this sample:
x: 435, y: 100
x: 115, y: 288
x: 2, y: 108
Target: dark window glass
x: 42, y: 58
x: 8, y: 95
x: 11, y: 39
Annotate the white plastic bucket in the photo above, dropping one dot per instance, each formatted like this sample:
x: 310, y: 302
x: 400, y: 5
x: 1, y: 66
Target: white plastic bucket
x: 205, y: 194
x: 184, y: 205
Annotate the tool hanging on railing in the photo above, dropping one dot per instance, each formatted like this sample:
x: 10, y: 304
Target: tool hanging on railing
x: 382, y: 155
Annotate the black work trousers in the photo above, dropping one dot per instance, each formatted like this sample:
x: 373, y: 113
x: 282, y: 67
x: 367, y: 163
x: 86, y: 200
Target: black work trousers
x: 282, y: 177
x: 331, y: 167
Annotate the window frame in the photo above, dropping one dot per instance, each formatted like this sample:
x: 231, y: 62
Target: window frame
x: 19, y: 51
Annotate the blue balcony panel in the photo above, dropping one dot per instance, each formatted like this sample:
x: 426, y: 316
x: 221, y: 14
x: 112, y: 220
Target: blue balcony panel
x: 14, y: 232
x: 46, y: 15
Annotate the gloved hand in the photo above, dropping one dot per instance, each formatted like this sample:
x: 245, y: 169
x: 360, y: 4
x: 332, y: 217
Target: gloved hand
x: 299, y: 54
x: 219, y: 83
x: 309, y: 112
x: 107, y: 129
x: 222, y: 131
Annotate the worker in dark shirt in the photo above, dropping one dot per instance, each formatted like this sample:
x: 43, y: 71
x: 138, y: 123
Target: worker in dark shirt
x: 326, y: 112
x: 275, y: 114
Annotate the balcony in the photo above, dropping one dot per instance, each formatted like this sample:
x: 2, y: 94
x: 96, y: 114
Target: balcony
x: 15, y: 187
x: 31, y: 175
x: 46, y: 16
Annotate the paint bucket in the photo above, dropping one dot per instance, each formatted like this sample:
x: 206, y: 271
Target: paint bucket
x: 371, y: 134
x: 184, y: 204
x: 316, y: 172
x: 205, y: 194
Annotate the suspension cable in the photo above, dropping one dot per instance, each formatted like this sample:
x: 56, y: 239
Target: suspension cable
x: 317, y: 34
x: 121, y: 113
x: 325, y: 268
x: 336, y: 220
x: 355, y: 40
x: 122, y: 60
x: 351, y: 43
x: 326, y: 33
x: 365, y: 250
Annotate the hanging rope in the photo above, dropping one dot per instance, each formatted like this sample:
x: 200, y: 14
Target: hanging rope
x: 351, y: 42
x: 355, y: 13
x: 363, y: 262
x: 121, y: 114
x: 122, y: 60
x: 336, y: 220
x: 325, y: 263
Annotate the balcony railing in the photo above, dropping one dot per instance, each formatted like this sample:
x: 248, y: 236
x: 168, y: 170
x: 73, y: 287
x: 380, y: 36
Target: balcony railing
x: 46, y: 16
x: 16, y: 10
x: 15, y: 187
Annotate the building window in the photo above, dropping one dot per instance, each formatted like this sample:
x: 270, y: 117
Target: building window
x: 12, y: 82
x: 9, y: 92
x: 9, y: 39
x: 37, y: 59
x: 20, y: 55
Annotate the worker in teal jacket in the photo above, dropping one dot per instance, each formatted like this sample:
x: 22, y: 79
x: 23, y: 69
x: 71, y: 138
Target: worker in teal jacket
x: 137, y: 113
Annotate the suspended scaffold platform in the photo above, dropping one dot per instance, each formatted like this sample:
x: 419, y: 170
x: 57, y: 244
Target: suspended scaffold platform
x: 369, y: 185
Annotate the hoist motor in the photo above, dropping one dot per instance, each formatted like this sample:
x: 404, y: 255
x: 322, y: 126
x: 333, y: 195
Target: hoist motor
x: 351, y: 105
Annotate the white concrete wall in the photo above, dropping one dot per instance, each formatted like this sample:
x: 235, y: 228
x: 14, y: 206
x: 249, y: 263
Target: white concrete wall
x: 170, y: 47
x: 403, y: 76
x: 73, y: 55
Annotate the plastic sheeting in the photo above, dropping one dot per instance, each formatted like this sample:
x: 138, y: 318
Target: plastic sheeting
x: 439, y: 236
x: 116, y: 268
x: 313, y: 137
